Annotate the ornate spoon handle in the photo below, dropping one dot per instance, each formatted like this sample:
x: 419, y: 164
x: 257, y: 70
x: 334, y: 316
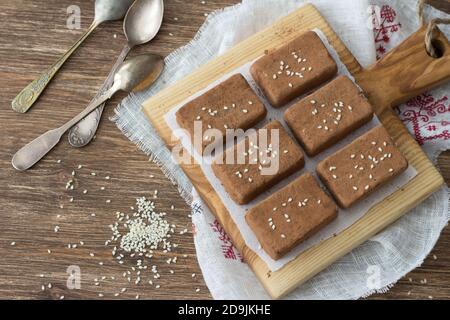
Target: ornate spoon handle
x: 34, y: 151
x: 25, y: 99
x: 83, y: 132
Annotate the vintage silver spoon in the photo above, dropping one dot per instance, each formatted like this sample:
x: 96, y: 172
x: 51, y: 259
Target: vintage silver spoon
x: 141, y: 24
x: 105, y: 10
x: 135, y: 74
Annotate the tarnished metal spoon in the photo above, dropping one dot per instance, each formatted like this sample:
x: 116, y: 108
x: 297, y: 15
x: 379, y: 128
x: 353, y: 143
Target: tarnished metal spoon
x: 141, y: 24
x: 135, y: 74
x: 105, y: 10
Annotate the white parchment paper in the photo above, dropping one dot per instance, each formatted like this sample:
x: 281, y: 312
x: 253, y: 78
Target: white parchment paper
x: 345, y: 219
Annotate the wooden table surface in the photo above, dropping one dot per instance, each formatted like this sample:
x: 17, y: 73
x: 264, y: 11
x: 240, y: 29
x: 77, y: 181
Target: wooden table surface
x: 34, y: 35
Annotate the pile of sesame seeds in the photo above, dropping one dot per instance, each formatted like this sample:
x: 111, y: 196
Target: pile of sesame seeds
x: 145, y: 229
x: 141, y: 243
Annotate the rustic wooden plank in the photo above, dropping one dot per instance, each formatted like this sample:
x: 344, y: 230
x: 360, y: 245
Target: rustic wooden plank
x: 33, y: 36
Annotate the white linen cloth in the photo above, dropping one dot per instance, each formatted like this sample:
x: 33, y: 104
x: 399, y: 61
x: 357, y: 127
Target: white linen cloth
x: 389, y: 255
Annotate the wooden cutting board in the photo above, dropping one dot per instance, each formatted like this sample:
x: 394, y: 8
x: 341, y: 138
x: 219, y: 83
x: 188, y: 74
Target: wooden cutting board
x: 404, y: 73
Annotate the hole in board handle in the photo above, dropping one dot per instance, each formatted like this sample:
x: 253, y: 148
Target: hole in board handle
x: 439, y: 48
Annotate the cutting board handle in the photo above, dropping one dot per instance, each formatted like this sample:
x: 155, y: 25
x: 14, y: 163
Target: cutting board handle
x: 407, y: 71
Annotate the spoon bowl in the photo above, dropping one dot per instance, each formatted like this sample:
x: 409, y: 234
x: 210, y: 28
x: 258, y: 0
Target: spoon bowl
x: 110, y: 10
x: 140, y: 72
x: 143, y: 21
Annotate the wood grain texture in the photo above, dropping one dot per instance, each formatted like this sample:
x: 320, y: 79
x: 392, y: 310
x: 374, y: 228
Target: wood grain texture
x: 407, y: 71
x: 34, y: 35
